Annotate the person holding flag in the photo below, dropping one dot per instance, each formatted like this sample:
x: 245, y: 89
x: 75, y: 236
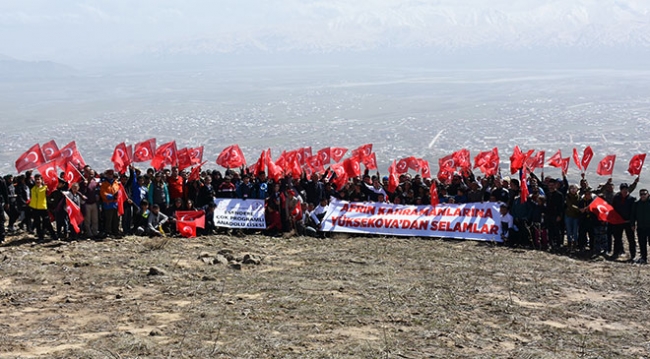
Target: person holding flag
x: 77, y: 198
x: 623, y: 204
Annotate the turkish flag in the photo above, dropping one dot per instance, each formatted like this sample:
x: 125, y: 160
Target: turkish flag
x: 556, y: 159
x: 306, y: 152
x: 196, y: 155
x: 195, y: 174
x: 294, y: 155
x: 462, y: 159
x: 587, y: 155
x: 72, y: 174
x: 231, y: 157
x: 536, y: 161
x: 636, y: 164
x: 565, y: 165
x: 197, y: 217
x: 324, y: 155
x: 362, y: 151
x: 144, y: 151
x: 352, y: 168
x: 433, y: 192
x: 70, y: 153
x: 260, y: 165
x: 576, y: 159
x: 605, y: 211
x: 341, y: 178
x: 50, y: 177
x: 120, y: 158
x: 50, y: 151
x: 424, y: 168
x: 488, y: 162
x: 393, y: 177
x: 447, y: 163
x: 336, y: 153
x: 370, y: 161
x: 516, y: 160
x: 30, y: 159
x: 314, y: 162
x: 187, y: 229
x: 606, y: 165
x: 296, y: 170
x: 402, y: 166
x: 166, y: 154
x: 524, y: 187
x: 121, y: 198
x: 275, y: 171
x: 282, y: 162
x: 184, y: 159
x: 444, y: 175
x: 74, y: 214
x: 413, y: 163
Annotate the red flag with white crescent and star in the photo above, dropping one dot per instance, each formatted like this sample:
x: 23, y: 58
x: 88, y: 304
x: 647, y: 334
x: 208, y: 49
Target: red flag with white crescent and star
x: 72, y: 174
x: 187, y: 229
x: 144, y: 151
x: 30, y: 159
x: 120, y: 158
x: 605, y: 212
x: 50, y: 177
x: 336, y: 153
x: 636, y: 164
x: 74, y: 214
x: 606, y: 165
x: 50, y: 151
x: 231, y: 157
x: 198, y: 217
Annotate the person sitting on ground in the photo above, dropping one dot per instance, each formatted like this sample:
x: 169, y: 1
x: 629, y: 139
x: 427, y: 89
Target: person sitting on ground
x: 141, y: 218
x: 156, y: 221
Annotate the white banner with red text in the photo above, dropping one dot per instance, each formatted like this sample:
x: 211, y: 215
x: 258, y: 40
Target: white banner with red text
x: 239, y: 213
x: 476, y: 221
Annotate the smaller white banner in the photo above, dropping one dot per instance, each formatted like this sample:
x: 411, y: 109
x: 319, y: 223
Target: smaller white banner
x: 239, y: 213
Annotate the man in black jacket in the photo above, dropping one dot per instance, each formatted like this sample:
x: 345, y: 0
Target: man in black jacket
x: 554, y: 213
x: 623, y: 204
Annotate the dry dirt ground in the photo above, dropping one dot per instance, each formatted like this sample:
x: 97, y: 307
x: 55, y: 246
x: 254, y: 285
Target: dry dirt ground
x: 315, y: 298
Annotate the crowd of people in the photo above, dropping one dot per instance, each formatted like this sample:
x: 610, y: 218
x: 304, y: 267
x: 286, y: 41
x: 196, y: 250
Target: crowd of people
x: 554, y: 214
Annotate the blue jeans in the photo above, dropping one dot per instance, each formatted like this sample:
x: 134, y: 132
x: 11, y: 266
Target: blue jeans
x: 571, y: 225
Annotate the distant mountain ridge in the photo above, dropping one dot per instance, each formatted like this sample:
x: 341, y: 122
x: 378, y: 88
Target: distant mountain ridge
x: 11, y: 68
x: 587, y: 24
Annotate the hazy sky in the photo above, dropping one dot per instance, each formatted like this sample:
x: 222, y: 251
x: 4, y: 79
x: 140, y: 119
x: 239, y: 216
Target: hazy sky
x: 77, y: 31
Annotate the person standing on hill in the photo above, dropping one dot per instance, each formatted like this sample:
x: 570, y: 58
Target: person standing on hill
x: 175, y: 184
x: 90, y: 190
x: 641, y: 220
x: 108, y: 194
x: 572, y: 216
x: 554, y: 214
x: 38, y: 206
x: 4, y: 205
x: 623, y: 204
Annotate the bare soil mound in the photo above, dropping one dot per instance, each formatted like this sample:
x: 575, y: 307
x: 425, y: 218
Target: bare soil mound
x: 355, y: 297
